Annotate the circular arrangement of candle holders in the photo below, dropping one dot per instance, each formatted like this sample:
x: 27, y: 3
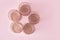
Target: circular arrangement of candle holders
x: 16, y: 15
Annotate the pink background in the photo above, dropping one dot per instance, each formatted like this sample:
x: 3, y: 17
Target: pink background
x: 47, y: 29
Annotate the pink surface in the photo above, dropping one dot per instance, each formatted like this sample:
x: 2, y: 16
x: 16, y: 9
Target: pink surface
x: 48, y: 27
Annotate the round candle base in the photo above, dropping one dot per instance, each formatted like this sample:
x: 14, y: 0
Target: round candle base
x: 16, y: 27
x: 25, y: 9
x: 34, y: 18
x: 14, y: 15
x: 28, y: 28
